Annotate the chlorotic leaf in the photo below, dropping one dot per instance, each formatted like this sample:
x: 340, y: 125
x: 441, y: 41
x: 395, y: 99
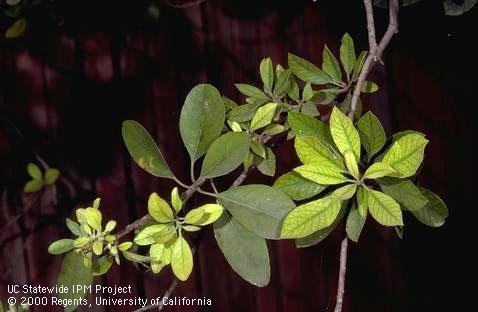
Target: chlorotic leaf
x: 378, y: 170
x: 384, y: 209
x: 307, y: 71
x: 345, y: 192
x: 93, y: 218
x: 371, y: 133
x: 148, y: 235
x: 351, y: 164
x: 344, y: 133
x: 60, y: 246
x: 297, y: 187
x: 51, y: 175
x: 321, y: 174
x: 34, y: 171
x: 311, y: 150
x: 362, y: 201
x: 159, y: 209
x: 434, y: 213
x: 305, y: 125
x: 204, y: 215
x: 181, y: 259
x: 176, y: 200
x: 33, y: 186
x: 263, y: 116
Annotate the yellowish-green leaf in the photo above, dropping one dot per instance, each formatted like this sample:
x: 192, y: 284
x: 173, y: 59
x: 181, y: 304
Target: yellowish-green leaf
x: 267, y: 73
x: 320, y: 174
x: 102, y: 265
x: 181, y: 259
x: 310, y: 217
x: 258, y: 148
x: 33, y: 186
x: 297, y: 187
x: 344, y: 133
x: 125, y: 246
x: 347, y: 53
x: 73, y: 227
x: 93, y: 218
x: 176, y: 200
x: 81, y: 242
x: 51, y: 175
x: 204, y: 215
x: 362, y: 201
x: 345, y: 192
x: 311, y: 150
x: 304, y: 125
x: 351, y: 164
x: 60, y: 246
x: 34, y: 171
x: 17, y: 29
x: 369, y: 87
x: 406, y: 154
x: 147, y: 235
x: 358, y: 65
x: 378, y: 170
x: 263, y: 116
x: 371, y: 133
x: 159, y: 209
x: 274, y: 129
x: 384, y: 209
x: 97, y: 247
x: 330, y: 65
x: 235, y: 126
x: 110, y: 226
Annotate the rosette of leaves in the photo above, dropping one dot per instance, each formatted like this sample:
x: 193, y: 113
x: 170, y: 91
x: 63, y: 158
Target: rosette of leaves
x: 356, y: 174
x: 40, y: 179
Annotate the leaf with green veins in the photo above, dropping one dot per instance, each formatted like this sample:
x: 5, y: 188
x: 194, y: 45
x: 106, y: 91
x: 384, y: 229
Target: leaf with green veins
x: 358, y: 65
x: 307, y: 92
x: 102, y: 265
x: 355, y: 224
x: 229, y: 104
x: 267, y: 166
x: 297, y: 187
x: 311, y: 150
x: 97, y: 247
x: 378, y: 170
x: 401, y: 134
x: 72, y: 274
x: 181, y: 259
x: 320, y: 235
x: 259, y: 208
x: 351, y: 164
x: 435, y: 211
x: 304, y: 125
x: 369, y: 87
x: 362, y: 201
x: 73, y: 227
x: 251, y: 91
x: 371, y: 133
x: 330, y: 65
x: 345, y: 192
x: 176, y: 200
x: 34, y: 171
x: 51, y: 175
x: 258, y: 148
x: 283, y: 84
x: 147, y: 235
x: 267, y: 73
x: 263, y: 116
x: 404, y: 192
x: 245, y: 251
x: 384, y: 208
x: 307, y: 71
x: 310, y: 109
x: 225, y: 154
x: 204, y: 215
x: 144, y: 150
x: 159, y: 209
x: 201, y: 120
x: 81, y: 242
x: 167, y: 237
x: 406, y: 154
x: 310, y: 217
x: 235, y: 126
x: 344, y: 133
x: 156, y: 252
x: 347, y: 53
x: 60, y: 246
x: 93, y: 218
x: 321, y: 174
x: 17, y: 29
x: 33, y: 186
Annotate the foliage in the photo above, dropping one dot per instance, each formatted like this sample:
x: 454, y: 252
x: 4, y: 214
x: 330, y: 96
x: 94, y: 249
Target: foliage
x: 40, y: 179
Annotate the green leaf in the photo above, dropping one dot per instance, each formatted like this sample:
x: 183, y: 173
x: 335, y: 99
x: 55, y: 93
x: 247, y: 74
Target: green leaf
x: 258, y: 148
x: 204, y: 215
x: 307, y: 92
x: 310, y: 109
x: 249, y: 161
x: 51, y: 175
x: 60, y: 246
x: 182, y: 259
x: 406, y: 154
x: 378, y: 170
x: 347, y: 53
x: 251, y: 91
x: 434, y: 213
x: 355, y: 224
x: 176, y: 200
x: 362, y: 201
x: 147, y: 235
x: 297, y: 187
x: 159, y: 209
x: 93, y: 218
x: 267, y: 166
x: 34, y: 171
x: 229, y: 104
x: 144, y: 151
x: 73, y: 273
x: 320, y: 235
x: 125, y: 246
x: 311, y: 150
x: 358, y: 65
x: 245, y: 251
x: 97, y: 247
x: 345, y: 192
x: 267, y: 73
x: 17, y: 29
x: 225, y: 154
x: 283, y: 84
x: 263, y: 116
x: 102, y: 265
x: 305, y: 125
x: 325, y: 175
x: 274, y: 129
x: 351, y: 164
x: 33, y: 186
x: 260, y: 208
x: 73, y: 227
x: 404, y: 192
x: 244, y: 112
x: 371, y: 133
x: 202, y: 119
x: 307, y: 71
x: 310, y: 217
x: 344, y: 133
x: 369, y: 87
x: 134, y: 257
x: 384, y: 209
x: 330, y: 65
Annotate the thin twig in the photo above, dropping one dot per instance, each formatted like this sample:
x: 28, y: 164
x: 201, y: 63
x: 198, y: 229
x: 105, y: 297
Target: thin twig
x: 342, y: 272
x: 184, y: 5
x: 372, y: 40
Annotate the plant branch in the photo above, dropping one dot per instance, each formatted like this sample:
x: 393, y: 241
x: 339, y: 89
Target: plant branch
x: 184, y: 5
x: 342, y: 272
x: 375, y: 52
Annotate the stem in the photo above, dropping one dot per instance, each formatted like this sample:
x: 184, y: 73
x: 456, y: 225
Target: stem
x: 342, y: 272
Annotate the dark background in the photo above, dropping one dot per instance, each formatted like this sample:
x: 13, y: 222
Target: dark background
x: 64, y: 92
